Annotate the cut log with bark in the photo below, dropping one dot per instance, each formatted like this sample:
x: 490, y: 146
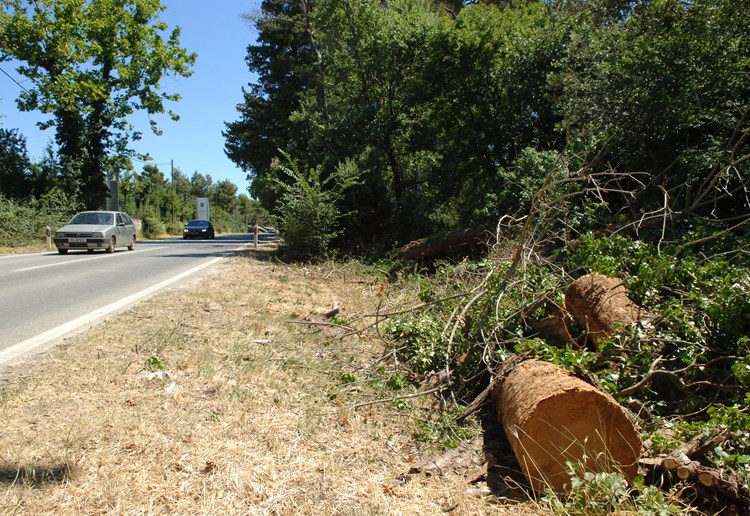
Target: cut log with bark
x: 552, y: 418
x: 599, y: 305
x: 444, y: 245
x: 553, y: 328
x: 712, y: 485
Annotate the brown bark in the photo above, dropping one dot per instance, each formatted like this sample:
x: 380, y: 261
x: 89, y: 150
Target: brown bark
x: 442, y: 245
x: 599, y: 305
x: 552, y: 418
x: 710, y: 484
x: 553, y: 328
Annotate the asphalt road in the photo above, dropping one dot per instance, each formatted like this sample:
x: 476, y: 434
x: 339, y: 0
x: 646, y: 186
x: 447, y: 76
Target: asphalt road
x: 44, y: 297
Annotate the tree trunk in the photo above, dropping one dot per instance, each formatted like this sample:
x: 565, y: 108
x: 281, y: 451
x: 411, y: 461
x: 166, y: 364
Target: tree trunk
x: 443, y: 245
x: 599, y: 304
x: 552, y: 418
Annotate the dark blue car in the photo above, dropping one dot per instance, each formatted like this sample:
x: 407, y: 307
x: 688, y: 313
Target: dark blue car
x: 198, y: 228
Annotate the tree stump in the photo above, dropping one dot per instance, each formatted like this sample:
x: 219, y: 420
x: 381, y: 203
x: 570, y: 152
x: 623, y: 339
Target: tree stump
x: 551, y: 418
x: 599, y: 304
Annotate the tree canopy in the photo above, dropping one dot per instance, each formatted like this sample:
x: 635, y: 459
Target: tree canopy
x: 91, y: 64
x: 454, y: 113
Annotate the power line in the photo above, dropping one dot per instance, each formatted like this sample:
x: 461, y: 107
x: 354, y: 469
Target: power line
x: 12, y: 79
x: 151, y: 162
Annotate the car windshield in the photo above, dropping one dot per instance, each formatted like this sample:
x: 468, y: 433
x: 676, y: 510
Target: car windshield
x: 93, y: 218
x: 198, y: 223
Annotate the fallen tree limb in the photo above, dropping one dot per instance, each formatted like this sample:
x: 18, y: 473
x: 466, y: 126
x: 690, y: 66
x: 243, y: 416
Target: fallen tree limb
x: 404, y: 397
x: 711, y: 484
x: 443, y: 245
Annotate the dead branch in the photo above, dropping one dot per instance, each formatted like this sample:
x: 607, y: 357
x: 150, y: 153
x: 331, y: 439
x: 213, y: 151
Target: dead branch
x: 711, y: 484
x: 439, y: 388
x: 320, y: 323
x: 709, y: 238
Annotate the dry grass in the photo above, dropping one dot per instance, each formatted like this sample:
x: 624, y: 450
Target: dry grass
x: 252, y: 420
x: 26, y: 249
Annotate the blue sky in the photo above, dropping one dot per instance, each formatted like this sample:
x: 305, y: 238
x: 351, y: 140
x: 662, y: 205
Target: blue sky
x: 218, y: 34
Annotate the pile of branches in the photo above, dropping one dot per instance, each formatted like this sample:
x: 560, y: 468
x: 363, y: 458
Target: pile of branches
x: 682, y: 354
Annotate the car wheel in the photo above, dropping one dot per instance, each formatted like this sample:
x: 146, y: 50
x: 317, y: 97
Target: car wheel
x: 90, y: 250
x: 184, y: 237
x: 111, y: 246
x: 212, y: 235
x: 62, y: 251
x: 131, y: 247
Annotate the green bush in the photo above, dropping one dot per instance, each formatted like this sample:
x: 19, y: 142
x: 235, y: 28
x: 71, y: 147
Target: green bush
x: 309, y: 214
x: 593, y: 494
x: 421, y: 343
x: 24, y: 222
x: 153, y: 226
x: 174, y: 228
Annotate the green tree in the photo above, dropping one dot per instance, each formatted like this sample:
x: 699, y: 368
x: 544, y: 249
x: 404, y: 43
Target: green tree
x: 45, y: 174
x: 486, y: 100
x: 664, y: 92
x: 154, y: 190
x: 373, y: 60
x: 309, y: 212
x: 200, y: 184
x: 285, y: 58
x: 14, y: 165
x: 251, y: 211
x: 91, y: 64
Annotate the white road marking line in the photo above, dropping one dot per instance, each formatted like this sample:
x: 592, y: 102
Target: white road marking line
x: 107, y: 255
x: 32, y: 343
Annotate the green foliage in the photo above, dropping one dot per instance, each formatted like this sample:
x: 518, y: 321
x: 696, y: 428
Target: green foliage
x: 663, y: 89
x: 347, y: 377
x: 712, y: 306
x: 698, y: 314
x: 457, y: 120
x: 423, y: 348
x: 308, y: 212
x: 90, y: 65
x: 14, y: 165
x: 442, y: 428
x: 24, y: 222
x: 153, y: 226
x: 593, y: 494
x: 153, y: 363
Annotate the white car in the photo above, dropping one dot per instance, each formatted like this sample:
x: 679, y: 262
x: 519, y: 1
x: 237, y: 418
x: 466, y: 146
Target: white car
x: 91, y: 230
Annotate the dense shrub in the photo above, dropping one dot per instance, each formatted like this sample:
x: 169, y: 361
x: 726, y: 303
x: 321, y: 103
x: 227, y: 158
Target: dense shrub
x: 152, y: 224
x: 24, y: 222
x: 308, y: 211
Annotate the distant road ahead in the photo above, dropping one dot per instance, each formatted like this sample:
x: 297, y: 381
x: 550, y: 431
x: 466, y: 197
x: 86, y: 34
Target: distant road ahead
x: 46, y: 296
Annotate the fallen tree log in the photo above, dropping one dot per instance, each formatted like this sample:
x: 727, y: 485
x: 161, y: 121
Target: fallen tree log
x: 443, y: 245
x: 599, y: 305
x: 552, y: 418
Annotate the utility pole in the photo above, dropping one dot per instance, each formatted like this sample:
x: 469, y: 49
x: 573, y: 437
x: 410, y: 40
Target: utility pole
x: 174, y: 191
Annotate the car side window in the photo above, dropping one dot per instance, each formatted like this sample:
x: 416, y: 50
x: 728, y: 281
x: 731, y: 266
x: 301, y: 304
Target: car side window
x: 120, y: 220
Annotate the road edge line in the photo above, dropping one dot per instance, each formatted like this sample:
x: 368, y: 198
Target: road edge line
x: 33, y: 343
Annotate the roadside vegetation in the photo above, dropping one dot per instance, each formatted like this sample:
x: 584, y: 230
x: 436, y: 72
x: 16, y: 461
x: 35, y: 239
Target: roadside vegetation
x: 229, y: 396
x: 576, y: 137
x: 580, y: 137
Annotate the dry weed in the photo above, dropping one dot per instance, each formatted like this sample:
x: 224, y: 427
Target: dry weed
x: 246, y: 417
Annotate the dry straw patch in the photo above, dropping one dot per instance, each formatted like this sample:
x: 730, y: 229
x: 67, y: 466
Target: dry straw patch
x: 251, y: 420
